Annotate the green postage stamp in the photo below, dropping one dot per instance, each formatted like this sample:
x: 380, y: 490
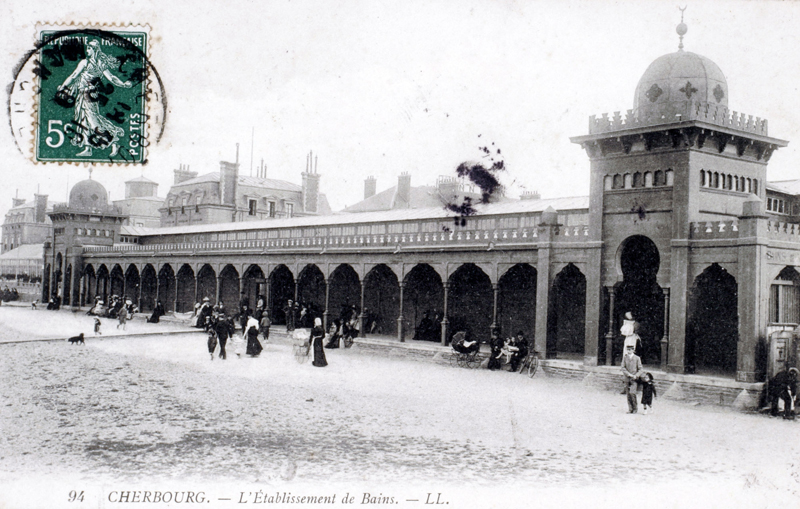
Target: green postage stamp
x: 92, y: 96
x: 87, y: 94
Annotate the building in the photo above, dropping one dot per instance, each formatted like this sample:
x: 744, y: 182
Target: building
x: 141, y: 203
x: 681, y: 228
x: 226, y: 196
x: 448, y: 190
x: 26, y: 223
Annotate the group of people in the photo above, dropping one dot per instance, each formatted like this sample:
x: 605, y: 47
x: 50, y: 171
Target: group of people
x: 633, y: 372
x: 220, y: 327
x: 118, y: 308
x: 512, y: 350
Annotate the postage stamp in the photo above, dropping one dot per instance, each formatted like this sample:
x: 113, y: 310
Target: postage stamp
x: 89, y: 97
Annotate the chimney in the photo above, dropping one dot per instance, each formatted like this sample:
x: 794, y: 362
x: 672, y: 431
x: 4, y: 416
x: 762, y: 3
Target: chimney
x: 370, y: 187
x: 311, y: 185
x: 228, y: 177
x: 16, y: 201
x: 447, y: 187
x: 530, y: 195
x: 402, y: 196
x: 182, y: 174
x: 40, y: 207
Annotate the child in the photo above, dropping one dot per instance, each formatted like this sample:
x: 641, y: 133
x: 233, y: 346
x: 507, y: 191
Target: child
x: 97, y: 327
x: 33, y: 304
x: 123, y: 317
x: 648, y: 392
x: 212, y: 343
x: 509, y: 348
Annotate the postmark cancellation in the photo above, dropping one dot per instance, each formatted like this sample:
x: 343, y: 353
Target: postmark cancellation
x: 87, y: 94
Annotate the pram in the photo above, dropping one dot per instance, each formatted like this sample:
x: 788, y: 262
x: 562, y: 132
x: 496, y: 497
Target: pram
x: 301, y: 344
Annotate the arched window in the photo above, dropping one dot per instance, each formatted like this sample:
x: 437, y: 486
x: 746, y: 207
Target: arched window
x: 715, y: 184
x: 669, y: 175
x: 648, y: 179
x: 702, y: 178
x: 608, y: 182
x: 658, y: 178
x: 628, y: 181
x: 637, y: 179
x: 618, y: 181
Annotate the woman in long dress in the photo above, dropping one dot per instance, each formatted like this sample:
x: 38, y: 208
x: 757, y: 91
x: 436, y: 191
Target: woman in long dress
x: 317, y: 335
x: 251, y: 333
x: 91, y: 128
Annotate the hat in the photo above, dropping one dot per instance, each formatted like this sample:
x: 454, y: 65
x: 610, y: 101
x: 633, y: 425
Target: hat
x: 317, y: 322
x: 206, y: 299
x: 795, y: 371
x: 628, y: 315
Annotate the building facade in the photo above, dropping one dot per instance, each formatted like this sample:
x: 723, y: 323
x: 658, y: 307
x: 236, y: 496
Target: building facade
x: 227, y: 196
x: 680, y: 228
x: 26, y: 223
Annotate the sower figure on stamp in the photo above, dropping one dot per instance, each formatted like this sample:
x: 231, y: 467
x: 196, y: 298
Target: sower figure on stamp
x: 631, y: 371
x: 91, y: 128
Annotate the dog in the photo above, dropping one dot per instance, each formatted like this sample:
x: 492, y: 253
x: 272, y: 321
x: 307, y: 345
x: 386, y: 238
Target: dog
x: 77, y: 339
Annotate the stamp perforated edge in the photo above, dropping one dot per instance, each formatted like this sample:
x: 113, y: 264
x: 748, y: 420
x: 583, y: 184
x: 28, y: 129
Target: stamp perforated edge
x: 152, y: 122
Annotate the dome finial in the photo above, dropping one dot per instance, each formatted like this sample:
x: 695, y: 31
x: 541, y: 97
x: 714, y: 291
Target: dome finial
x: 681, y: 29
x: 90, y: 173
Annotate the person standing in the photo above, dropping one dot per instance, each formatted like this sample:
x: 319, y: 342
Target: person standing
x: 251, y: 333
x: 317, y: 335
x: 122, y: 315
x: 630, y: 330
x: 224, y: 329
x: 631, y: 371
x: 288, y: 311
x: 648, y: 392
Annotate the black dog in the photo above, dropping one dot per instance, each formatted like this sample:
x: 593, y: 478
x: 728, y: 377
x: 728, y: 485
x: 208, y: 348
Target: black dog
x: 77, y: 339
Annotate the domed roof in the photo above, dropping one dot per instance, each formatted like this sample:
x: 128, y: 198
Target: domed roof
x: 88, y: 194
x: 674, y: 79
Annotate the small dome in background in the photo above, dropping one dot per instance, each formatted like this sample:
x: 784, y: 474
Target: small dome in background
x: 88, y: 194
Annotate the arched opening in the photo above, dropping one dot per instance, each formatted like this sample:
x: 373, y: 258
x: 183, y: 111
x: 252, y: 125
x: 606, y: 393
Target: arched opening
x: 207, y: 284
x: 58, y: 275
x: 253, y: 284
x: 566, y: 322
x: 167, y: 289
x: 381, y: 300
x: 640, y: 294
x: 132, y: 281
x: 345, y: 292
x: 102, y: 283
x: 712, y: 327
x: 281, y: 291
x: 117, y: 281
x: 470, y: 302
x: 423, y: 301
x: 517, y: 301
x: 185, y: 298
x: 46, y: 283
x: 67, y: 286
x: 310, y: 295
x: 784, y: 297
x: 149, y: 288
x: 91, y: 284
x: 229, y: 288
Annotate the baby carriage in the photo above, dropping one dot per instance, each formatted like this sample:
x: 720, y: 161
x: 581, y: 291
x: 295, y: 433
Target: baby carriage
x: 301, y: 344
x: 462, y: 355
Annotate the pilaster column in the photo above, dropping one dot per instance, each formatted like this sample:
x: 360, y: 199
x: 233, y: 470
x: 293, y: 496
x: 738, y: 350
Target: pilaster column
x: 294, y: 281
x: 362, y: 315
x: 610, y: 333
x: 496, y: 291
x: 219, y: 290
x: 665, y: 338
x: 196, y: 289
x: 326, y: 314
x: 445, y: 322
x: 400, y: 328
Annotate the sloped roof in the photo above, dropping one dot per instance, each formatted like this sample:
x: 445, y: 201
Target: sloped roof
x: 142, y: 179
x: 421, y: 197
x: 244, y: 180
x: 24, y: 252
x: 785, y: 186
x: 578, y: 203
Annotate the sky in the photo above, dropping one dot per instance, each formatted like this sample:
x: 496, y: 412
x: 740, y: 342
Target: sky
x: 376, y: 88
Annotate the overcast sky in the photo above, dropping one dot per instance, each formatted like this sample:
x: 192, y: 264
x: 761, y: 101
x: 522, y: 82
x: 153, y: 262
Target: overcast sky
x: 382, y: 87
